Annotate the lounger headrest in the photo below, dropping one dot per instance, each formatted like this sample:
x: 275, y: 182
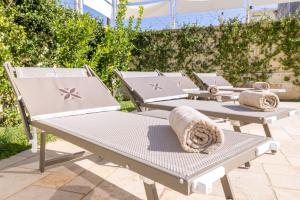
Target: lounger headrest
x: 151, y: 89
x: 134, y: 74
x: 56, y: 97
x: 172, y: 74
x: 212, y: 79
x: 38, y: 72
x: 184, y: 83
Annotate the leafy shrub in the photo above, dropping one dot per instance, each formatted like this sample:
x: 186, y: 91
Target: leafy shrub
x: 43, y: 33
x: 115, y: 46
x: 243, y: 53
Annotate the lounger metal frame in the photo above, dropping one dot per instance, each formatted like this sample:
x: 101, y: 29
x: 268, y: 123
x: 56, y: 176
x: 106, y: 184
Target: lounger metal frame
x: 149, y: 173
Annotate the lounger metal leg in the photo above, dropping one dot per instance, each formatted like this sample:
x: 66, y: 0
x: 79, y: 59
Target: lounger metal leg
x: 238, y: 129
x: 227, y: 188
x: 151, y: 191
x: 42, y: 151
x: 267, y: 130
x: 44, y: 163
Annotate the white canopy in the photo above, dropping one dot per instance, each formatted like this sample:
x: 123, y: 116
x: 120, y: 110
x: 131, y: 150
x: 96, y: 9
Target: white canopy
x: 101, y: 6
x: 193, y: 6
x: 150, y: 9
x: 155, y: 8
x: 266, y: 2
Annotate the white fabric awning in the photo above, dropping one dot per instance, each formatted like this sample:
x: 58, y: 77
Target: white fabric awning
x: 100, y: 6
x: 193, y: 6
x: 268, y: 2
x: 150, y: 9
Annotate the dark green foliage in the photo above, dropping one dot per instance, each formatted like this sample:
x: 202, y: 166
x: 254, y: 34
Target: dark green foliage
x: 243, y: 53
x: 43, y: 33
x: 12, y: 140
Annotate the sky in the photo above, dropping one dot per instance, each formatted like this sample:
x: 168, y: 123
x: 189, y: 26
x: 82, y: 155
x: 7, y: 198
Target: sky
x: 165, y: 22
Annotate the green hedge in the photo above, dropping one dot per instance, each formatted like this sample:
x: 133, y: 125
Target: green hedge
x: 44, y: 33
x: 242, y: 52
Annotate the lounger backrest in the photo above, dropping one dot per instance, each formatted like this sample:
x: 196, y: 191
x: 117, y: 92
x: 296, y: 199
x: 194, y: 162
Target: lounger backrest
x: 50, y: 97
x: 134, y: 74
x: 208, y: 79
x: 38, y: 72
x: 172, y: 74
x: 151, y: 89
x: 182, y: 81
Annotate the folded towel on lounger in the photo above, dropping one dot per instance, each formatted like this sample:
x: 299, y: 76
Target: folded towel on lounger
x: 261, y: 86
x: 259, y: 100
x: 195, y: 131
x: 213, y: 89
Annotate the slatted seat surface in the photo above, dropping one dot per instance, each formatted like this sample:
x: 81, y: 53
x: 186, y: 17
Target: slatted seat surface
x: 148, y: 140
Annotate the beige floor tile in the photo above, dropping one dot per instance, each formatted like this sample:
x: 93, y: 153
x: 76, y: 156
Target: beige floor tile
x: 13, y: 180
x: 172, y: 195
x: 277, y: 159
x: 281, y: 169
x: 251, y: 186
x: 109, y: 191
x: 54, y: 180
x: 128, y: 181
x: 290, y: 148
x: 33, y: 161
x: 293, y: 160
x: 28, y: 153
x: 4, y: 163
x: 256, y: 167
x: 284, y: 194
x: 41, y: 193
x: 86, y: 181
x: 285, y: 181
x: 63, y: 146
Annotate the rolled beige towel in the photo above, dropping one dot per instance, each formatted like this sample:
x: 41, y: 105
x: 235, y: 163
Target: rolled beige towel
x: 259, y: 100
x: 261, y: 86
x: 213, y: 89
x: 195, y: 131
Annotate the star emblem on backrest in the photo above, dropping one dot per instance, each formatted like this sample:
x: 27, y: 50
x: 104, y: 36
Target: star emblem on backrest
x: 155, y: 86
x: 69, y: 93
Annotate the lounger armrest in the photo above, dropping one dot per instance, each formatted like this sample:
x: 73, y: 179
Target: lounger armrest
x: 268, y: 146
x: 203, y: 184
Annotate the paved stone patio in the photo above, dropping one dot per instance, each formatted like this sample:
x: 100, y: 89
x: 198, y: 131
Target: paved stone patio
x: 91, y: 178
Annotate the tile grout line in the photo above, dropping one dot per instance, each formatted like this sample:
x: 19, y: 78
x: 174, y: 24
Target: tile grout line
x: 269, y: 179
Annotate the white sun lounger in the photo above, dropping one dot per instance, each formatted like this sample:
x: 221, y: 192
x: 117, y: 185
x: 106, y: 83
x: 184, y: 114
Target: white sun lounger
x: 193, y: 90
x: 207, y: 79
x: 80, y: 110
x: 167, y: 96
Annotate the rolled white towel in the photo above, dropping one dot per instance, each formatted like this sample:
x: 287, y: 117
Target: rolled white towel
x: 195, y: 131
x: 259, y: 100
x: 261, y: 86
x: 213, y: 89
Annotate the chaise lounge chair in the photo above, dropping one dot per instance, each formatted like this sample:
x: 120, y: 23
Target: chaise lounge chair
x: 161, y: 94
x: 193, y: 90
x: 184, y: 83
x: 207, y: 79
x: 75, y: 105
